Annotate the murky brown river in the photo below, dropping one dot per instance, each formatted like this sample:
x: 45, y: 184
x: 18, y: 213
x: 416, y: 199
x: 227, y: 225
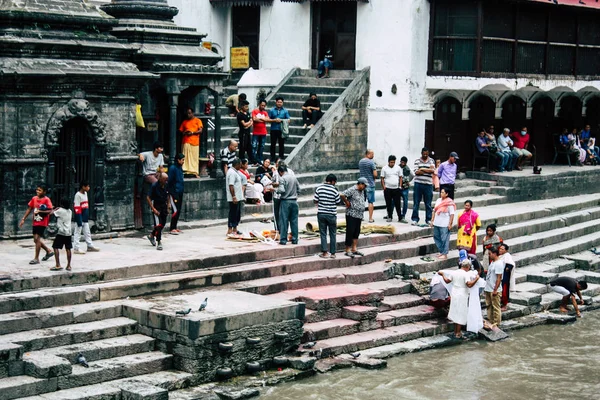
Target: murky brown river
x: 546, y: 362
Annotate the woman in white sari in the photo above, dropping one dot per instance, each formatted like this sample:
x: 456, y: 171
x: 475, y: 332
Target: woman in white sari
x: 474, y: 317
x: 462, y: 279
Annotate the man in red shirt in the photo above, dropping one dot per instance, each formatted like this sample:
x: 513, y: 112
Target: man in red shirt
x: 41, y: 206
x: 521, y: 141
x: 260, y: 117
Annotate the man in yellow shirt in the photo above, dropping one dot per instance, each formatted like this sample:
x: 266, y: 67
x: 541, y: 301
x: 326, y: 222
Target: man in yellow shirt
x: 190, y: 144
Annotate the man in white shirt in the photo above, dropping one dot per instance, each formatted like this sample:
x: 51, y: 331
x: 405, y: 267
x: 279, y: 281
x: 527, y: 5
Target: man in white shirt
x: 505, y: 145
x: 151, y: 162
x: 391, y: 182
x: 235, y: 196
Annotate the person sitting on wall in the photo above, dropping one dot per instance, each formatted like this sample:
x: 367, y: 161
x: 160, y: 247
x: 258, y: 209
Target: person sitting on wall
x: 232, y: 103
x: 325, y: 65
x: 311, y: 111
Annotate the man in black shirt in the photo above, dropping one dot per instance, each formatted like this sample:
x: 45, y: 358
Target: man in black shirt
x: 244, y: 124
x: 311, y: 111
x: 158, y: 200
x: 567, y: 287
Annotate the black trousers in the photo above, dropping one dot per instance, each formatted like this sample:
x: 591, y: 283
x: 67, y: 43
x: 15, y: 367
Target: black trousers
x: 449, y: 189
x: 160, y: 221
x: 235, y: 214
x: 311, y: 118
x: 245, y: 146
x: 176, y: 207
x: 392, y: 198
x: 352, y: 229
x: 277, y: 138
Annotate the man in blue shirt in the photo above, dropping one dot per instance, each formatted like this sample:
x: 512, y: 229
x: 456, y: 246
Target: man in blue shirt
x: 175, y: 187
x: 278, y: 113
x: 447, y: 174
x: 585, y: 136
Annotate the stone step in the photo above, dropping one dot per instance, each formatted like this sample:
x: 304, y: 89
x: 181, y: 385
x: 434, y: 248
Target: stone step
x: 401, y: 301
x: 15, y: 387
x: 329, y: 329
x: 302, y: 96
x: 359, y: 313
x: 71, y: 334
x: 51, y: 317
x: 531, y: 287
x: 123, y: 388
x: 579, y: 274
x: 333, y: 73
x: 332, y: 297
x: 321, y: 91
x: 116, y: 368
x: 316, y: 83
x: 379, y: 337
x: 336, y: 276
x: 56, y: 361
x: 407, y: 315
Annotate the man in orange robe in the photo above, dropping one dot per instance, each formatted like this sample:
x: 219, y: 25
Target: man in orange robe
x: 191, y: 128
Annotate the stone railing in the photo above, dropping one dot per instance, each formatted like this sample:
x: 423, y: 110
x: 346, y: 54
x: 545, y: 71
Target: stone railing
x: 340, y: 137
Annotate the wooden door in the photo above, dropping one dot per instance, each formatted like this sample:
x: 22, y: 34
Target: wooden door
x: 334, y: 30
x: 447, y: 131
x: 73, y: 161
x: 542, y: 129
x: 245, y: 23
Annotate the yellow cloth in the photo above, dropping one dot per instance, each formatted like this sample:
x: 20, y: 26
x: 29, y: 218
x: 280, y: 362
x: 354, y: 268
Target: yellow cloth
x: 467, y: 241
x: 192, y: 154
x: 139, y: 120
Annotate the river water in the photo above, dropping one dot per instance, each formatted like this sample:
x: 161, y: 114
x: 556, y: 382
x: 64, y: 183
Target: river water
x: 545, y: 362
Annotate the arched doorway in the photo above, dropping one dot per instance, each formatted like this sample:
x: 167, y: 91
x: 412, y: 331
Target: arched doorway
x: 592, y: 115
x: 481, y: 115
x: 570, y: 113
x: 74, y: 158
x: 514, y: 113
x: 448, y: 131
x: 543, y: 128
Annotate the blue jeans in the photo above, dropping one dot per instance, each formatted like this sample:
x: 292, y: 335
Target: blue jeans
x: 404, y: 194
x: 441, y: 237
x: 512, y: 160
x: 258, y: 146
x: 327, y: 222
x: 423, y: 192
x: 503, y: 159
x: 371, y: 194
x: 288, y: 216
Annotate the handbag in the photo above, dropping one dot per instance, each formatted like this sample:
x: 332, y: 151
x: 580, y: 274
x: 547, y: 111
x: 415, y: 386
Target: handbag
x: 285, y: 128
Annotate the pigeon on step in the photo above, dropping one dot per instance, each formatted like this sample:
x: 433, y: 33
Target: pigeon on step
x: 183, y: 312
x: 309, y: 345
x: 82, y: 361
x: 355, y: 355
x: 203, y: 305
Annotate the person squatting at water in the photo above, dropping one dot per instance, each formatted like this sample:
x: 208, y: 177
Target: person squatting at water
x: 568, y: 287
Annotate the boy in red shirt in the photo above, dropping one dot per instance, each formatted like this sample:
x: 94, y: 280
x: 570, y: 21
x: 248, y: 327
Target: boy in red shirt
x: 260, y: 117
x: 521, y: 141
x: 41, y: 207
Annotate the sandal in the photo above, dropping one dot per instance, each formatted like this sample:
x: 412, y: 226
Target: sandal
x: 68, y: 268
x: 32, y: 262
x: 323, y: 255
x: 48, y: 256
x: 359, y: 253
x: 427, y: 259
x: 348, y: 254
x: 55, y: 268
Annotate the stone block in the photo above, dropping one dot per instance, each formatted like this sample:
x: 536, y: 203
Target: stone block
x: 525, y: 298
x: 493, y: 335
x: 302, y: 363
x: 142, y: 391
x: 359, y: 313
x: 331, y: 364
x: 10, y: 352
x: 236, y: 394
x: 41, y: 365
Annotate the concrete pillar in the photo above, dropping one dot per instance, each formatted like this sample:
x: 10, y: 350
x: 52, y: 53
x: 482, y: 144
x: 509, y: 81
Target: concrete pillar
x: 172, y: 127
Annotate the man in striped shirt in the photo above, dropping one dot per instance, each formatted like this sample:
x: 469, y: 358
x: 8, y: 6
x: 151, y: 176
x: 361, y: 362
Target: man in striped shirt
x: 423, y: 189
x: 327, y: 198
x: 228, y: 155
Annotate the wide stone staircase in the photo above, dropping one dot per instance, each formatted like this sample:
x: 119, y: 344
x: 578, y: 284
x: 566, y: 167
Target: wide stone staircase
x: 295, y: 91
x: 350, y: 304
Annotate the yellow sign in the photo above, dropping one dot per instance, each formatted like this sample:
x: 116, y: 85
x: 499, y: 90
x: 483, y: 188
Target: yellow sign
x: 240, y: 57
x: 207, y: 45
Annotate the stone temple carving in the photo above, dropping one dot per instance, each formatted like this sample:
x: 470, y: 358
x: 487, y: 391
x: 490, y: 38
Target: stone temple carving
x: 75, y: 108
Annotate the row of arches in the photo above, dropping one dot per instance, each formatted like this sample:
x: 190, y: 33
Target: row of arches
x: 455, y: 127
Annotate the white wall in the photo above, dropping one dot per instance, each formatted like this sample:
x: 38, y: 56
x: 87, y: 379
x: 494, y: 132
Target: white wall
x: 213, y: 21
x: 392, y: 37
x: 285, y: 36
